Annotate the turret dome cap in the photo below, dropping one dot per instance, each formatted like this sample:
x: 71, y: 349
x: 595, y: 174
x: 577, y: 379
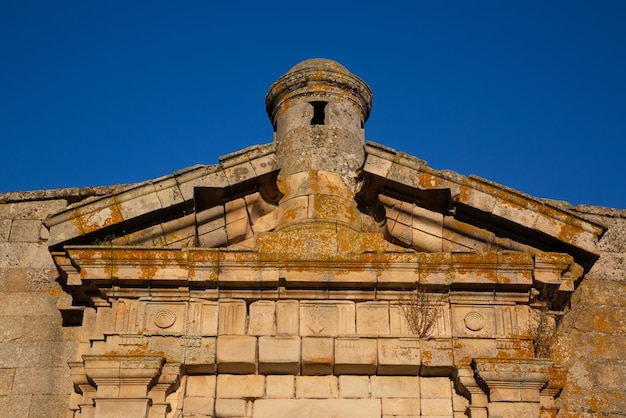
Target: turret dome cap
x: 319, y: 75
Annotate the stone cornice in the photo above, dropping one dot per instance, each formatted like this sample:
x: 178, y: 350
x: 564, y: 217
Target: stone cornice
x: 87, y: 268
x: 490, y: 199
x: 157, y: 198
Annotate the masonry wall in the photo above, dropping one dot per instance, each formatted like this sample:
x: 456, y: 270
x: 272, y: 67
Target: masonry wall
x: 592, y: 335
x: 34, y: 346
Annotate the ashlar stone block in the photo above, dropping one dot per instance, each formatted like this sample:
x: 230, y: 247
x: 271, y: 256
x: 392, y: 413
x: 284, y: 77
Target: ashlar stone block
x: 236, y: 354
x: 395, y: 387
x: 121, y: 408
x: 287, y: 317
x: 251, y: 386
x: 208, y: 313
x: 203, y: 386
x: 397, y: 321
x: 317, y: 355
x: 279, y: 387
x: 355, y: 355
x: 232, y: 317
x: 279, y: 355
x: 200, y: 355
x: 401, y: 407
x: 262, y: 318
x: 230, y: 407
x: 372, y: 318
x: 317, y: 408
x: 25, y: 230
x: 437, y: 407
x: 436, y: 388
x: 6, y: 381
x: 318, y: 387
x: 198, y: 405
x: 327, y: 318
x: 354, y: 386
x: 399, y: 356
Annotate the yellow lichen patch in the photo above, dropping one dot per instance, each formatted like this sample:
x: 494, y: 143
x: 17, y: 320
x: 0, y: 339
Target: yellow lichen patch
x: 569, y: 233
x: 318, y: 87
x: 475, y: 267
x: 326, y: 207
x: 427, y: 357
x: 74, y: 218
x: 101, y: 218
x: 430, y: 181
x: 168, y: 257
x: 283, y: 185
x: 328, y: 183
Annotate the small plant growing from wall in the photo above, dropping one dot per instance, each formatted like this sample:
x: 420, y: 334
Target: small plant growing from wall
x: 421, y: 311
x: 543, y: 324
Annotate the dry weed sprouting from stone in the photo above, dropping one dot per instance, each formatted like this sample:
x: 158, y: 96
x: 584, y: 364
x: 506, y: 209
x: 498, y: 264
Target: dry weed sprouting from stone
x: 545, y: 335
x: 543, y: 324
x: 421, y: 311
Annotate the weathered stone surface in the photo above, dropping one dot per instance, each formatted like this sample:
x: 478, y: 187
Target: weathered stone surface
x: 317, y: 355
x: 6, y: 381
x: 201, y: 386
x: 372, y: 318
x: 316, y: 408
x: 25, y: 230
x: 24, y: 255
x: 317, y: 387
x: 399, y: 356
x: 5, y: 229
x: 401, y: 407
x: 16, y: 406
x: 280, y: 387
x: 354, y: 387
x: 236, y: 354
x: 505, y: 409
x: 47, y: 381
x: 279, y: 355
x: 198, y: 405
x: 230, y: 408
x: 19, y: 354
x: 435, y: 388
x: 395, y: 386
x: 611, y: 266
x: 309, y: 243
x: 327, y: 318
x: 240, y: 386
x: 262, y: 318
x: 287, y: 317
x: 437, y: 407
x: 355, y: 355
x: 232, y: 317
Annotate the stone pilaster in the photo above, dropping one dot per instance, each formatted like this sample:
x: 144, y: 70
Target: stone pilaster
x: 124, y: 386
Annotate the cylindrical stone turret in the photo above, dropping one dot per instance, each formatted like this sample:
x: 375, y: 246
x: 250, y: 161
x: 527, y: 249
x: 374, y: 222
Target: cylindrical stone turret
x: 318, y: 110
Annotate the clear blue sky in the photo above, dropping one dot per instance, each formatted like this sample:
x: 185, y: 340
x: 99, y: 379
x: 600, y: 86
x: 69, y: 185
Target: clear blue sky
x: 530, y: 94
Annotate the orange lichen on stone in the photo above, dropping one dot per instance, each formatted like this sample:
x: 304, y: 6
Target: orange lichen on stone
x: 95, y: 220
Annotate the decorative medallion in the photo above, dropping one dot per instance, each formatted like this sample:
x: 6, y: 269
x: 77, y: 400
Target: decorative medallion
x: 164, y: 318
x: 474, y: 321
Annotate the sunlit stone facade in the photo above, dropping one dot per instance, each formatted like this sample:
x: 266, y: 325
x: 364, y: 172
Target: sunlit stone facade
x: 319, y: 275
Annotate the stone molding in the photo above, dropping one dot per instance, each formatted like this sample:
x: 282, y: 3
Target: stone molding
x: 92, y: 267
x: 126, y: 386
x: 513, y: 379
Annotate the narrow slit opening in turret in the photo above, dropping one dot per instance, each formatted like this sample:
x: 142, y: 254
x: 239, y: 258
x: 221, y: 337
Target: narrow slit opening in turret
x: 319, y: 113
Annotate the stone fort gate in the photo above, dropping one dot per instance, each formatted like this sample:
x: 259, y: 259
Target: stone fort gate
x: 317, y: 276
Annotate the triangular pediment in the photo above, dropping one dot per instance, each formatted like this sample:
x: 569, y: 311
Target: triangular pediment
x: 440, y: 210
x: 410, y: 204
x: 320, y: 237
